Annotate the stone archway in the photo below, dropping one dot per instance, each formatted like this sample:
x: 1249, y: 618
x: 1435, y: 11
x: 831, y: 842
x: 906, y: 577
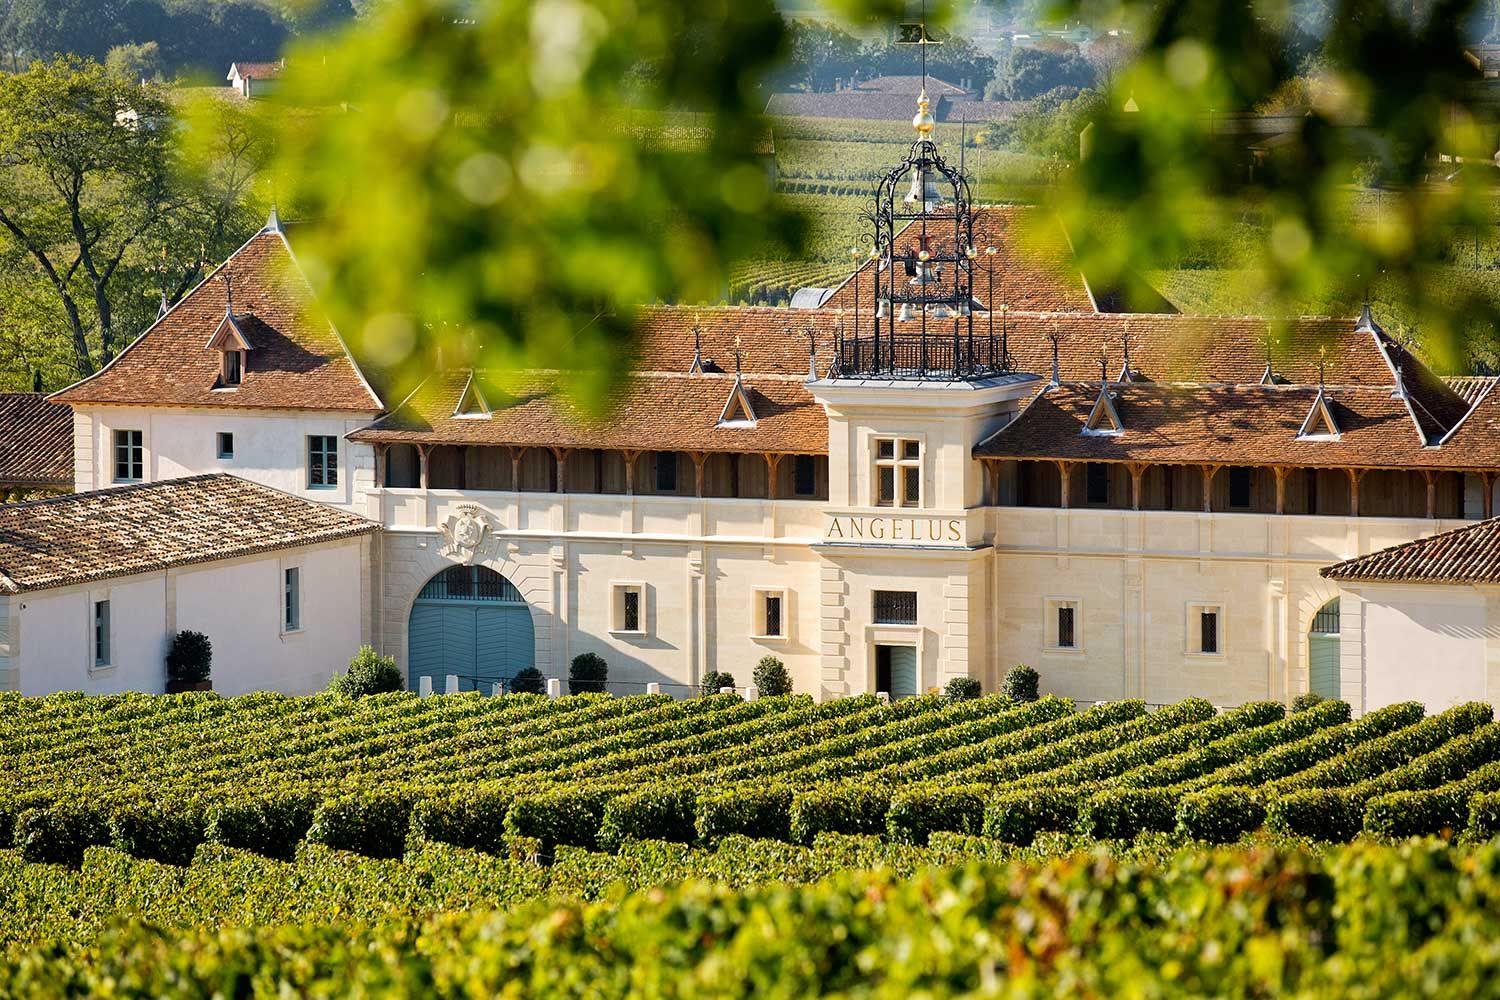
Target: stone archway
x: 470, y: 622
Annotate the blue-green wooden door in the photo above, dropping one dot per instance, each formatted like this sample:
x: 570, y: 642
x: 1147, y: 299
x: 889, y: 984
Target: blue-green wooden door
x: 903, y: 672
x: 469, y: 622
x: 1323, y: 651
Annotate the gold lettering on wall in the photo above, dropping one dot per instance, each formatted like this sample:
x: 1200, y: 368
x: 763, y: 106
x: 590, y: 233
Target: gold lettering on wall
x: 915, y: 530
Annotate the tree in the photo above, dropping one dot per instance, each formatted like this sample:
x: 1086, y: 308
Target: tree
x: 368, y: 673
x: 189, y: 658
x: 771, y: 677
x: 587, y: 673
x: 1020, y: 683
x: 1035, y: 71
x: 528, y: 680
x: 85, y: 181
x: 132, y: 63
x: 714, y: 681
x: 821, y: 55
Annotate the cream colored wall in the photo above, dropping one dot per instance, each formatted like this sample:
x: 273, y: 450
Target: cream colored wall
x: 270, y: 447
x: 54, y: 632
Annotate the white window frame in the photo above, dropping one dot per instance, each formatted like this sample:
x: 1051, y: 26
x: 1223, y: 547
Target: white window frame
x: 219, y: 452
x: 325, y: 485
x: 617, y: 591
x: 1193, y: 637
x: 1051, y: 628
x: 898, y: 463
x: 95, y: 663
x: 231, y: 369
x: 758, y: 631
x: 136, y: 461
x: 298, y: 624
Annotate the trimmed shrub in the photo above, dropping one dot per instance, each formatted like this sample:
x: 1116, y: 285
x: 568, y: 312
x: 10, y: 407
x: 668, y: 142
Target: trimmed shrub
x: 771, y: 677
x: 368, y: 673
x: 1219, y: 815
x: 189, y: 658
x: 1429, y: 812
x: 1317, y: 813
x: 963, y: 689
x: 58, y: 834
x: 1484, y: 817
x: 271, y: 825
x: 1016, y: 817
x: 473, y: 818
x: 1021, y: 683
x: 569, y: 816
x: 713, y: 681
x: 587, y: 673
x: 166, y: 832
x: 1306, y: 700
x: 760, y: 811
x: 916, y: 813
x: 372, y: 823
x: 528, y: 680
x: 1121, y: 813
x: 838, y: 809
x: 661, y: 812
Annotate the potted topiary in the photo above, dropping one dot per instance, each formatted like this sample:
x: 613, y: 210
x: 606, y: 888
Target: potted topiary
x: 1020, y: 683
x: 963, y: 689
x: 368, y: 673
x: 528, y: 680
x: 771, y: 677
x: 588, y: 673
x: 714, y: 680
x: 188, y: 661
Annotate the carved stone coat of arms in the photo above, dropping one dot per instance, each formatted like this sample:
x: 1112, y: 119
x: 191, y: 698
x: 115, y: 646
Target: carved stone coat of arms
x: 465, y: 533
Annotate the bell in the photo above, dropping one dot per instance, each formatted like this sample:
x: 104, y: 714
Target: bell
x: 925, y: 190
x: 883, y: 308
x: 941, y: 311
x: 905, y: 312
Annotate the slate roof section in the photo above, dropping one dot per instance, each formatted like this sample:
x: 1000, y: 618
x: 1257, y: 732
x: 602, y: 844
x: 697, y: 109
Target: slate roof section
x: 676, y: 412
x: 297, y: 360
x: 36, y: 441
x: 1467, y: 555
x: 85, y: 537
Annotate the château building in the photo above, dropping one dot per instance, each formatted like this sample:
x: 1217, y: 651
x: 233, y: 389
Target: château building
x: 963, y: 459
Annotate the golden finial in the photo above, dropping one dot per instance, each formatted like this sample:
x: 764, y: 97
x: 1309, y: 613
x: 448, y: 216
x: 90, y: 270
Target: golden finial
x: 923, y: 121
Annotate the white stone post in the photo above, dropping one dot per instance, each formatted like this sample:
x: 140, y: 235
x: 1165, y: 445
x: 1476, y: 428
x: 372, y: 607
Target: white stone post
x: 554, y: 687
x: 653, y: 688
x: 752, y: 693
x: 884, y: 696
x: 497, y: 689
x: 424, y: 686
x: 727, y: 689
x: 450, y: 684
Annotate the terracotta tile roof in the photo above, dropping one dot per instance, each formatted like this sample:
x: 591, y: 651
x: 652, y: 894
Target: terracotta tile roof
x: 651, y: 412
x: 144, y: 528
x: 1435, y: 406
x: 297, y: 360
x: 36, y: 441
x: 1464, y: 555
x: 1233, y: 425
x: 1469, y: 387
x: 910, y: 86
x: 258, y: 70
x: 1033, y: 262
x: 866, y: 105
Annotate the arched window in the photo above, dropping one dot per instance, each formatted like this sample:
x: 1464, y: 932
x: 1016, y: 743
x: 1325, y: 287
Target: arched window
x: 470, y: 583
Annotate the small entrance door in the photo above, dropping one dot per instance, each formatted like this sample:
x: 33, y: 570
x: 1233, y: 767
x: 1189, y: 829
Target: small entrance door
x: 1323, y: 651
x: 896, y: 670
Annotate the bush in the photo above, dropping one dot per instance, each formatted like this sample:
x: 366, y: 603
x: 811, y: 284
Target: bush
x: 1317, y: 813
x: 1017, y: 817
x: 168, y: 833
x: 587, y: 673
x: 965, y: 689
x: 1219, y: 815
x: 271, y: 825
x: 660, y: 812
x: 1484, y: 817
x: 372, y: 823
x: 1121, y: 813
x: 368, y: 673
x: 1306, y: 700
x: 760, y: 811
x: 1425, y: 813
x: 569, y: 816
x: 528, y: 680
x: 189, y: 658
x: 771, y: 678
x: 58, y: 834
x: 714, y: 680
x: 1021, y: 683
x: 473, y: 818
x: 838, y: 809
x: 916, y: 813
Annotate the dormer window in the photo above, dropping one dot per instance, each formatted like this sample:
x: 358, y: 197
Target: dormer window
x: 233, y: 346
x: 234, y: 368
x: 1320, y: 423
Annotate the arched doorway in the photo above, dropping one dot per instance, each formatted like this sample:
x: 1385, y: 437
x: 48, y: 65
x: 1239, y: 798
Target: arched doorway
x: 1323, y: 651
x: 471, y: 622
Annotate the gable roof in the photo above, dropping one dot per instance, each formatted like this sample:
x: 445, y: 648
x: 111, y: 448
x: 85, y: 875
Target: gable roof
x: 1466, y: 555
x: 1320, y: 421
x: 149, y: 527
x: 298, y: 360
x: 36, y: 441
x: 255, y: 70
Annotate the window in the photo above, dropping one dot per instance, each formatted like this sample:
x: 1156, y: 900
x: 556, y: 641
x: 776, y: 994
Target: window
x: 234, y: 367
x: 666, y: 472
x: 1098, y: 482
x: 101, y: 633
x: 1062, y: 624
x: 898, y: 472
x: 804, y: 476
x: 291, y: 599
x: 130, y: 457
x: 1065, y: 639
x: 1206, y: 629
x: 895, y: 607
x: 322, y: 461
x: 226, y: 444
x: 629, y: 612
x: 770, y: 614
x: 1239, y: 487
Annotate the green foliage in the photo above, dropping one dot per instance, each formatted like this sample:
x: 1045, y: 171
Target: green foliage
x: 373, y: 823
x: 270, y: 824
x: 771, y: 677
x: 1306, y: 700
x: 189, y: 657
x: 369, y: 673
x: 168, y: 832
x: 472, y: 817
x: 1219, y: 815
x: 1317, y: 813
x: 659, y: 812
x: 1020, y: 683
x: 714, y: 681
x: 917, y: 813
x: 131, y: 63
x: 528, y: 680
x: 1428, y: 812
x: 1016, y: 817
x: 843, y: 808
x: 58, y: 834
x: 1037, y: 71
x: 1121, y: 813
x: 570, y: 816
x: 963, y: 689
x: 587, y: 673
x: 759, y: 810
x: 1484, y: 817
